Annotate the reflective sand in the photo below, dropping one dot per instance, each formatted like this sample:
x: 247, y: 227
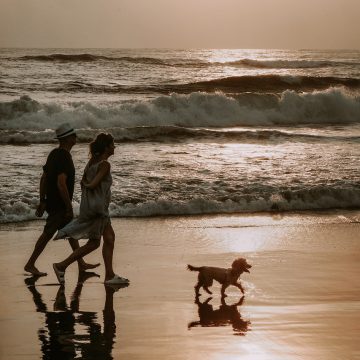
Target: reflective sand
x: 301, y: 300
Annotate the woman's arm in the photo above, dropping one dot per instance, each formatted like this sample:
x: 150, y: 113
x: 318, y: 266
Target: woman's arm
x: 104, y: 169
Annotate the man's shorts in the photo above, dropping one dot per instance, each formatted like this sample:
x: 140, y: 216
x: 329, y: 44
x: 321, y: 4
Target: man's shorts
x: 56, y: 221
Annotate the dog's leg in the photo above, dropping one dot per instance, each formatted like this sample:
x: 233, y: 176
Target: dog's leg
x: 223, y: 288
x: 199, y: 284
x: 197, y: 288
x: 238, y: 285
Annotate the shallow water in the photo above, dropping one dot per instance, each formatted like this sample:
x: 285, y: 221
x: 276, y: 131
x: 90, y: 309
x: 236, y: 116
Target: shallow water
x: 199, y: 177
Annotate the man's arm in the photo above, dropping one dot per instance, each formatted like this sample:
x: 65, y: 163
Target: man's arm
x: 64, y: 193
x: 42, y: 191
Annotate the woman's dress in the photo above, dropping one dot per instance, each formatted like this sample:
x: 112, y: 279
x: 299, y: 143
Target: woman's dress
x: 94, y: 208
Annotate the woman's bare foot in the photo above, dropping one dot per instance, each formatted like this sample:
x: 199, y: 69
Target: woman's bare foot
x: 34, y: 271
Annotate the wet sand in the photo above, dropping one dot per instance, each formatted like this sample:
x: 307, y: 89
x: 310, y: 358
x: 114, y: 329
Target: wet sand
x: 302, y: 297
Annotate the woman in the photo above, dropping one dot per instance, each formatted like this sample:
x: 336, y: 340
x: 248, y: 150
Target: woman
x: 94, y: 220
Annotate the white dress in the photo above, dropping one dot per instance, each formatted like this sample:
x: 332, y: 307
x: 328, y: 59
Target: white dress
x: 94, y: 209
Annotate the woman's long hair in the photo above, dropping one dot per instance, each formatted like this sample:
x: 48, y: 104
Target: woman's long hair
x: 98, y: 146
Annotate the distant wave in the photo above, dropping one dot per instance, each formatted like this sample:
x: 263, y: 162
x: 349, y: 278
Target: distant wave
x: 285, y: 64
x: 90, y: 57
x: 25, y: 120
x: 269, y: 83
x: 230, y: 85
x: 61, y: 57
x: 306, y: 199
x: 177, y: 133
x: 185, y: 62
x: 146, y: 60
x: 174, y: 133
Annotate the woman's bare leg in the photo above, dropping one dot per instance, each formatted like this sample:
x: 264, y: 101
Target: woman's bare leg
x: 80, y: 252
x: 108, y: 251
x: 83, y: 266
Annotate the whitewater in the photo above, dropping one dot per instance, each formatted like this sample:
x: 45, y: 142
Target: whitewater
x: 197, y: 131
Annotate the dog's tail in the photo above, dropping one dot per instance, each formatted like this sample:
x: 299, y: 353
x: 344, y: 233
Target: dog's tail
x: 193, y: 268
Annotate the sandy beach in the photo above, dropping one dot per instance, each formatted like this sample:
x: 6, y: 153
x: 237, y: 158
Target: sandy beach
x: 301, y: 297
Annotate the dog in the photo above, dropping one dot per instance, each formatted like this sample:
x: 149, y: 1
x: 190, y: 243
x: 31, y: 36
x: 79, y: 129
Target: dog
x: 225, y: 277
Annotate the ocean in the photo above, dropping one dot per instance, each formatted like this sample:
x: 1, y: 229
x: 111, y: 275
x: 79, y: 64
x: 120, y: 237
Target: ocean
x: 196, y: 131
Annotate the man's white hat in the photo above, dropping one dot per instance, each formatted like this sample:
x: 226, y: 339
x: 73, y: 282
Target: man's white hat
x: 64, y: 130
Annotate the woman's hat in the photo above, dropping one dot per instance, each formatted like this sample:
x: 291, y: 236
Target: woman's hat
x: 64, y: 130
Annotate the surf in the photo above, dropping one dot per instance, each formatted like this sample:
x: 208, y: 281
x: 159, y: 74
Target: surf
x: 27, y: 120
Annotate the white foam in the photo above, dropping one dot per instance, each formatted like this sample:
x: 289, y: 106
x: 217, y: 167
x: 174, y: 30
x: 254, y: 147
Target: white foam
x: 321, y: 198
x: 29, y: 121
x: 19, y: 210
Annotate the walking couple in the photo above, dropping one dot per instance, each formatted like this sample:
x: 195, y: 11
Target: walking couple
x: 56, y: 192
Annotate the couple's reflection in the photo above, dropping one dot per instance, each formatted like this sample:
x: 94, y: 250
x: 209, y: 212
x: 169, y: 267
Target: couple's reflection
x: 223, y: 316
x: 70, y: 333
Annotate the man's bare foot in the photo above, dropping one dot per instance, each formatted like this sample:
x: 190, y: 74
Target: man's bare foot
x: 86, y: 266
x: 33, y: 270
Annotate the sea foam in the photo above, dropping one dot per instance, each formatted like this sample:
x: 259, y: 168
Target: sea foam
x: 26, y: 120
x: 321, y: 198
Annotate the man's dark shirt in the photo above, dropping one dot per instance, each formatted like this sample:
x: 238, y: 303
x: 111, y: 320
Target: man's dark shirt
x: 59, y: 161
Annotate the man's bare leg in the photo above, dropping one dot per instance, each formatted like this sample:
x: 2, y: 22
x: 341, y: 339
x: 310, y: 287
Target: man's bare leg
x: 39, y: 248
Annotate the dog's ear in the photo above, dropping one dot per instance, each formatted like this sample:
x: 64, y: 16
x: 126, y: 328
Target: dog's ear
x: 238, y: 263
x: 241, y: 264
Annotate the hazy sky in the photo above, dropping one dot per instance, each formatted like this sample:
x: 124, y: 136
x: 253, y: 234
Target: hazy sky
x: 181, y: 23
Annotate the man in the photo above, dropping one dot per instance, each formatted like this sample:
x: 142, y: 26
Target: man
x: 56, y: 192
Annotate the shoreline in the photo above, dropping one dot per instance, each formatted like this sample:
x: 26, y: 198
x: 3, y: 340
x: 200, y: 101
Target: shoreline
x: 301, y: 296
x: 273, y: 214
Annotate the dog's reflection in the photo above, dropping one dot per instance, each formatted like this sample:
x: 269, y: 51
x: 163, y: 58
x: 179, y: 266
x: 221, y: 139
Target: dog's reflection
x: 223, y: 316
x: 68, y: 332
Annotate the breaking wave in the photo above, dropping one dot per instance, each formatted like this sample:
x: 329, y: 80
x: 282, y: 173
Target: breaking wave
x: 315, y: 199
x: 26, y: 120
